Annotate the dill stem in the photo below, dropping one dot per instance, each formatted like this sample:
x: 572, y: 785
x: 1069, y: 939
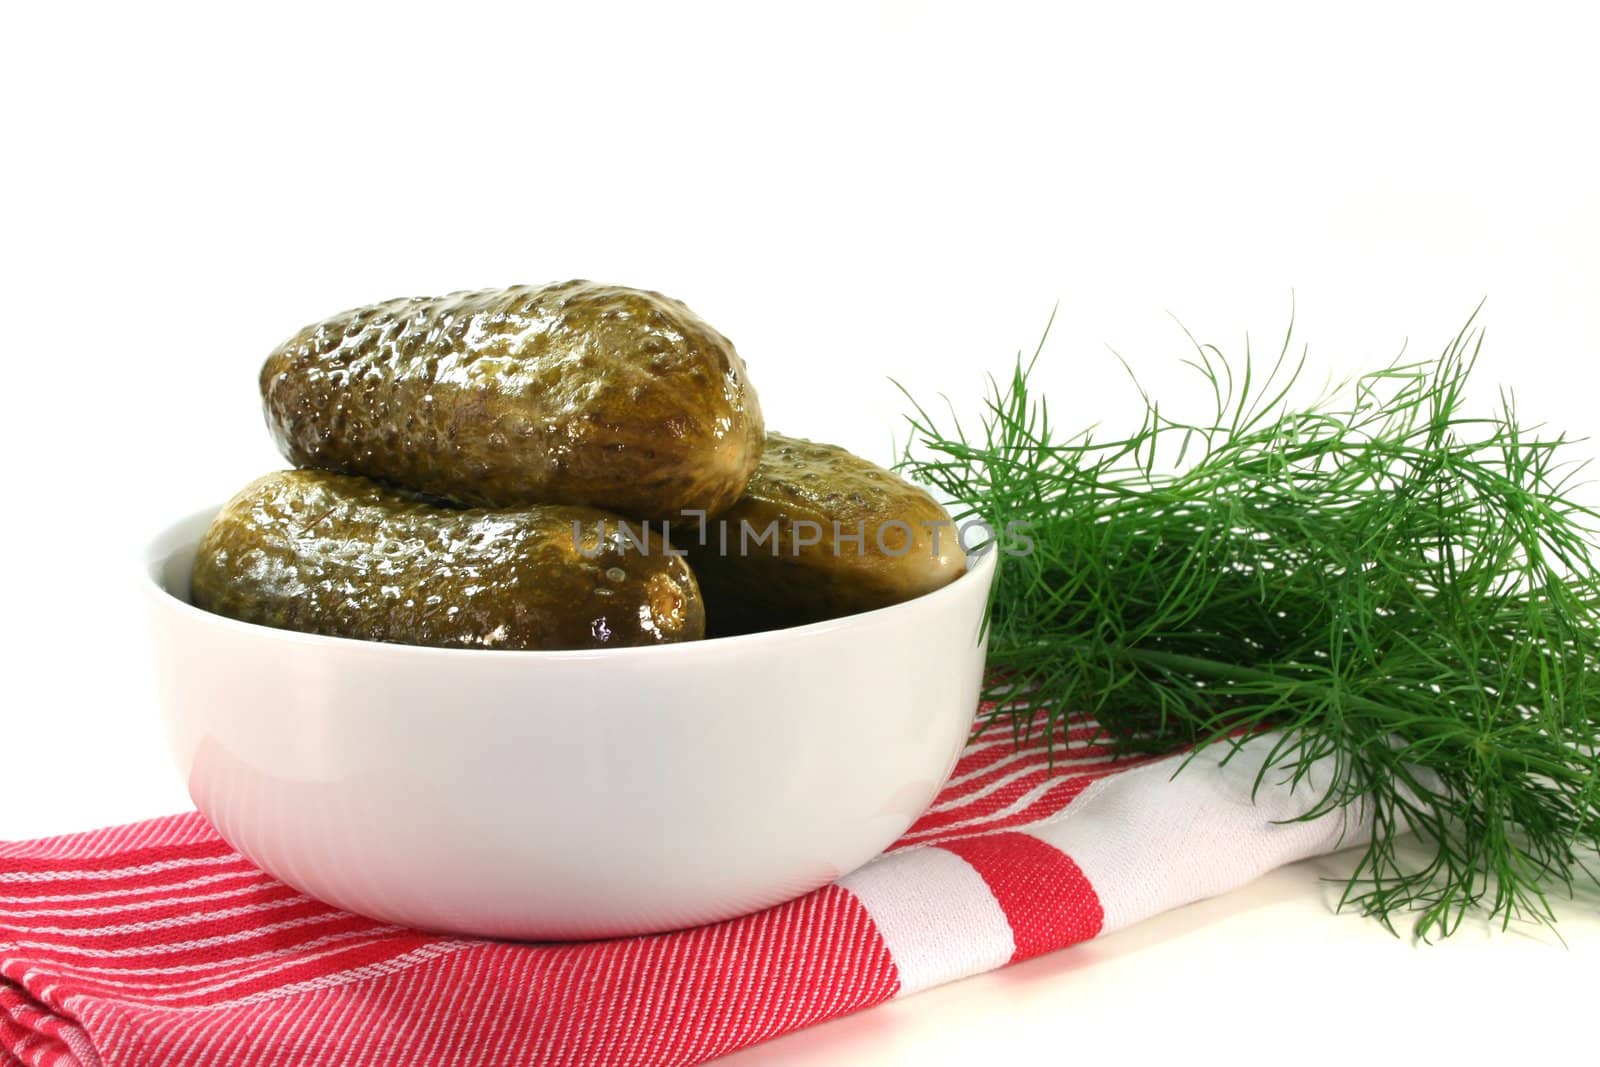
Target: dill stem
x: 1438, y: 728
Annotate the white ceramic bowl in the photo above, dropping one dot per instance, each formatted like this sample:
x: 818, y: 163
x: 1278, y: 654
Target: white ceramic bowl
x: 579, y: 794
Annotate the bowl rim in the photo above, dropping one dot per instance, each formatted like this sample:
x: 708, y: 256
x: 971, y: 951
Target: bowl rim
x: 160, y: 547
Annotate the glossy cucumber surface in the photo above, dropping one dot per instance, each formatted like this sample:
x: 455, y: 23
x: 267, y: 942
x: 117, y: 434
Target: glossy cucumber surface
x: 575, y: 393
x: 819, y: 533
x: 344, y: 556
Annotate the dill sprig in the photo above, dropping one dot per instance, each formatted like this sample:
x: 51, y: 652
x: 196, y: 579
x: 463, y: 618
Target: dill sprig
x: 1390, y: 584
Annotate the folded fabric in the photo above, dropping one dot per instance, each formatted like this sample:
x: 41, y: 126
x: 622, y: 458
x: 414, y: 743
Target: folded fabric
x: 156, y: 944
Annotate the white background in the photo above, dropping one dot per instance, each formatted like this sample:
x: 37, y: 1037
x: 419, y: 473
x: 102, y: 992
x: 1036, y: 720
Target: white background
x: 850, y: 192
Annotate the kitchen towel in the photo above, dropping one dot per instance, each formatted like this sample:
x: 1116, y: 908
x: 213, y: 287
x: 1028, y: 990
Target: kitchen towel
x: 157, y: 945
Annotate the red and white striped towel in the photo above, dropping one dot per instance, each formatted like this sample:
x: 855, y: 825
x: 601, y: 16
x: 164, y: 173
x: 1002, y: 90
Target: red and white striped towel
x: 155, y: 944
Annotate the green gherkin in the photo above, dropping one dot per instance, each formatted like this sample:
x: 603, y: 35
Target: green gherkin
x: 872, y: 539
x: 576, y: 393
x: 344, y: 556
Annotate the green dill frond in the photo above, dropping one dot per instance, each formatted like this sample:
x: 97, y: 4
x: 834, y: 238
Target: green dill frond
x: 1379, y: 575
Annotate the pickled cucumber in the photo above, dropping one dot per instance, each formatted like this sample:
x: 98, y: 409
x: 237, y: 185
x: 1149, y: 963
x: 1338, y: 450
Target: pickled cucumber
x: 576, y: 393
x: 818, y: 533
x: 343, y: 556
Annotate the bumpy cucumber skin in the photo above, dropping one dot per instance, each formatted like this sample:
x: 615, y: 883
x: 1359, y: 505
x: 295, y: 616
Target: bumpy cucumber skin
x: 802, y: 480
x: 576, y: 393
x: 343, y: 556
